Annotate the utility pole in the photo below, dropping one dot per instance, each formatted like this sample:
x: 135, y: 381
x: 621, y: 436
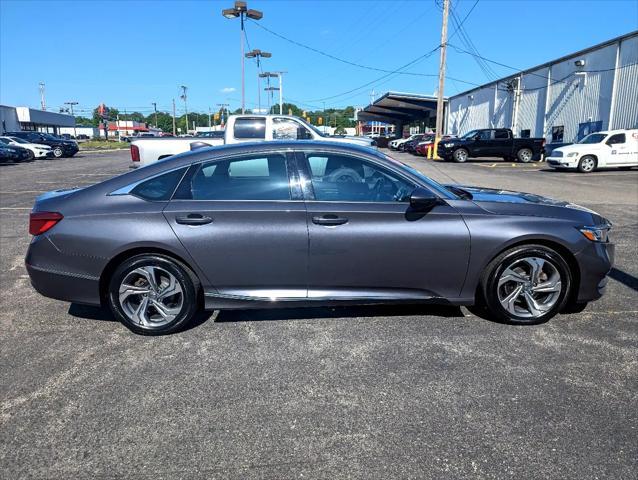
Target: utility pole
x: 155, y: 110
x: 71, y: 104
x: 174, y: 129
x: 439, y: 98
x: 43, y: 103
x: 183, y: 96
x: 209, y: 119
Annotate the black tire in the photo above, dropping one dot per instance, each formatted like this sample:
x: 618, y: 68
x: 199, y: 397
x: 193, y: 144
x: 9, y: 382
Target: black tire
x: 58, y: 152
x: 488, y: 288
x: 460, y: 155
x: 587, y: 164
x: 187, y: 280
x: 525, y: 155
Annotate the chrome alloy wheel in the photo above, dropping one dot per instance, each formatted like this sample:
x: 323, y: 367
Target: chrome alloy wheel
x: 525, y: 155
x: 529, y: 287
x: 588, y: 164
x: 151, y: 296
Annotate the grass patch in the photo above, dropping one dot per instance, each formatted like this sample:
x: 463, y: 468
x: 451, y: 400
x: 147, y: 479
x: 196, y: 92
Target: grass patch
x: 103, y: 145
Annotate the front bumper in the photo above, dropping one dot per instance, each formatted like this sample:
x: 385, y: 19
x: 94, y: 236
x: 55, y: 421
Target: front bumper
x: 562, y: 162
x: 595, y: 263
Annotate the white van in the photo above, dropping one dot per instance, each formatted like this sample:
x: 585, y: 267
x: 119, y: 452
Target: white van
x: 614, y: 148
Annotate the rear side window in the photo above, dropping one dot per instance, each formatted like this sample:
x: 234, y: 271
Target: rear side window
x: 501, y: 135
x: 250, y: 128
x: 159, y: 188
x: 615, y: 139
x: 255, y: 177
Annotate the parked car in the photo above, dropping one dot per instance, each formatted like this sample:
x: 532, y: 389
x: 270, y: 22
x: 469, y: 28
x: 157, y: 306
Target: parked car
x: 491, y: 142
x: 13, y: 154
x: 398, y: 143
x: 610, y: 149
x: 428, y: 142
x: 410, y: 145
x: 239, y: 129
x: 213, y: 134
x: 37, y: 150
x: 59, y: 147
x: 287, y: 224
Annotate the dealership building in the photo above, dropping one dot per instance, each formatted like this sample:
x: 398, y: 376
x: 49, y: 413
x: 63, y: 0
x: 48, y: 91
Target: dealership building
x: 24, y: 118
x: 562, y: 100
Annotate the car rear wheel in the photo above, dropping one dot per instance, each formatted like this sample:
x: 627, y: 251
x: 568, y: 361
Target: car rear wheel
x: 526, y: 285
x: 57, y: 152
x: 587, y: 164
x: 460, y: 155
x: 525, y: 155
x: 153, y: 294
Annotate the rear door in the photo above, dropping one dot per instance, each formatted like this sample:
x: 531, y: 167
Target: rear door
x: 366, y: 242
x: 244, y: 222
x: 501, y: 143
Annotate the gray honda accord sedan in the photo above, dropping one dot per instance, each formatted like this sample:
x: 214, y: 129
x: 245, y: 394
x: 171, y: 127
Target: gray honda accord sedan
x: 276, y: 224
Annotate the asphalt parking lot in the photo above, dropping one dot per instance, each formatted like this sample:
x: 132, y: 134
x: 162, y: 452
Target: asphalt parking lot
x: 362, y: 393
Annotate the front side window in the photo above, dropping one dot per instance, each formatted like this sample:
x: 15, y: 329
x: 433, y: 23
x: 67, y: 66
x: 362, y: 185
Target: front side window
x: 615, y: 139
x: 250, y: 128
x: 484, y: 135
x: 5, y: 141
x: 159, y: 188
x: 350, y: 179
x: 257, y: 177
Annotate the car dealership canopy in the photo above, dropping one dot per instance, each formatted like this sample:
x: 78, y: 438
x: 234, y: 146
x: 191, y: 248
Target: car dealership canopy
x: 401, y: 109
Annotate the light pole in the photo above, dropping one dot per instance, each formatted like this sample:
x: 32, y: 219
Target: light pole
x: 271, y: 89
x: 280, y: 75
x: 256, y: 53
x: 269, y: 75
x: 242, y: 11
x: 71, y: 104
x: 222, y: 107
x: 183, y: 97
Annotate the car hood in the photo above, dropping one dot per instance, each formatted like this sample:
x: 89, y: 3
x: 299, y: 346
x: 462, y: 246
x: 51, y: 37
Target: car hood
x: 508, y: 202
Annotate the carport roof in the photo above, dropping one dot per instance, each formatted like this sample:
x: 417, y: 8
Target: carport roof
x: 400, y: 107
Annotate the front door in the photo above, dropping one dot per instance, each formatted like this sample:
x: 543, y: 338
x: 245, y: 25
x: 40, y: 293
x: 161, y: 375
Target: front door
x: 366, y: 242
x: 244, y: 225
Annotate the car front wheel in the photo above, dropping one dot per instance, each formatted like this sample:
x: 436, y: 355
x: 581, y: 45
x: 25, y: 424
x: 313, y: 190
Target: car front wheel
x: 460, y: 155
x: 526, y: 285
x: 587, y: 164
x: 57, y: 152
x: 153, y: 294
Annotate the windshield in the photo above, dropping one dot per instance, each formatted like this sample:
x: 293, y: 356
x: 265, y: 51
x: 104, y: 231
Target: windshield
x: 594, y: 138
x: 18, y: 140
x: 313, y: 128
x: 469, y: 134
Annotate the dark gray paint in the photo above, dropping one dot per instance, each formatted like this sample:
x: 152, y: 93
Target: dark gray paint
x: 253, y: 251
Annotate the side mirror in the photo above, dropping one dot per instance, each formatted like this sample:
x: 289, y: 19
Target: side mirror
x: 423, y: 199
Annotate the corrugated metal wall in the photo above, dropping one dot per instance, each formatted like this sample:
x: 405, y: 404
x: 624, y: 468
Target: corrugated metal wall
x: 570, y: 100
x: 625, y: 113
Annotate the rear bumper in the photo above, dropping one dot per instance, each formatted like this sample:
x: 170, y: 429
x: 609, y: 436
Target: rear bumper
x: 65, y: 286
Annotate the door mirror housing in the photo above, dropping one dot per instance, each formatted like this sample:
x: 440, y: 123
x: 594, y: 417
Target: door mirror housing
x: 423, y: 199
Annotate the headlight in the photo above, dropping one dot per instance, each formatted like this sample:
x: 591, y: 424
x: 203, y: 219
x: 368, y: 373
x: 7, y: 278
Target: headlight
x: 597, y: 233
x: 448, y: 145
x: 572, y: 154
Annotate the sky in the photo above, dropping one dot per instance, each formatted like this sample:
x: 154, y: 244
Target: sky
x: 129, y: 54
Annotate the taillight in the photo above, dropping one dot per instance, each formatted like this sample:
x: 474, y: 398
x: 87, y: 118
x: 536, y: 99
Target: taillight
x: 135, y: 153
x: 40, y: 222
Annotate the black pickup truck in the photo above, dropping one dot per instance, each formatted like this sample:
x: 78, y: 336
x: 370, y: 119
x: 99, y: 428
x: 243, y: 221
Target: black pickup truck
x: 491, y: 142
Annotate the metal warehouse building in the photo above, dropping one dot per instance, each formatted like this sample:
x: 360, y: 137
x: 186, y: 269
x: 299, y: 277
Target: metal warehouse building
x: 563, y: 100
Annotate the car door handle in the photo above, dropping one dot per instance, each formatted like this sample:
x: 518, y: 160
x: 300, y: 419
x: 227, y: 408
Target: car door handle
x: 193, y: 219
x: 329, y: 219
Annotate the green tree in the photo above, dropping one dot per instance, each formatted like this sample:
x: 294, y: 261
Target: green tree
x: 84, y: 122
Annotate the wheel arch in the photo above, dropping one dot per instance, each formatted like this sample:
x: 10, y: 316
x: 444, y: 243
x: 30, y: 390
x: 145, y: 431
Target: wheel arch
x: 113, y: 263
x: 556, y: 245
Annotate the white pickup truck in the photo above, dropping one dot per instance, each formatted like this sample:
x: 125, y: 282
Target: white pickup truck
x: 240, y: 128
x: 611, y: 149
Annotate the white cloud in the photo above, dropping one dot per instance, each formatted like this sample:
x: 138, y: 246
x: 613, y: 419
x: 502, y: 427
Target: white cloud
x: 228, y: 89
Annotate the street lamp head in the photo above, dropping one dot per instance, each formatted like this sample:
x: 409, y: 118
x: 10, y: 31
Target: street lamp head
x: 266, y: 54
x: 230, y: 13
x: 254, y: 14
x: 267, y: 74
